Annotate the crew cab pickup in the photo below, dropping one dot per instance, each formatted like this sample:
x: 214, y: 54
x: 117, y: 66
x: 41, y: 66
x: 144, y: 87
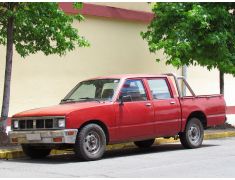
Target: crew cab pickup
x: 115, y: 109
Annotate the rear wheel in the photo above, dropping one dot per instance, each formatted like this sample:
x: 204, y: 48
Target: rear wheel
x: 193, y: 135
x: 144, y: 144
x: 90, y: 143
x: 35, y: 152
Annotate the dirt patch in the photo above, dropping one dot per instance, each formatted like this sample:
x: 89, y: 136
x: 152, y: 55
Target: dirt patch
x: 223, y: 126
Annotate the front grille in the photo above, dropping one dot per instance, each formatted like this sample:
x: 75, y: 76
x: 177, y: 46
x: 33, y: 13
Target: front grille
x: 22, y: 124
x: 40, y: 124
x: 29, y: 124
x: 49, y: 123
x: 37, y: 123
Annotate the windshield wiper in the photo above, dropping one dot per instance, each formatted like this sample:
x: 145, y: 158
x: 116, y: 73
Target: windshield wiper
x: 88, y: 98
x: 68, y: 99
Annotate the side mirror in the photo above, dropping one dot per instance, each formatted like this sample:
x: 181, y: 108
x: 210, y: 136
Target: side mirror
x: 122, y: 99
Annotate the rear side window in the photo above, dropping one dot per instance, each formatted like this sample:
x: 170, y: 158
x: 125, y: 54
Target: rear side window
x: 134, y: 90
x: 159, y: 89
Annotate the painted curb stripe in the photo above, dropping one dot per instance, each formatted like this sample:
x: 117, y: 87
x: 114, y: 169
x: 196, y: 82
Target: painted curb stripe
x: 11, y: 154
x: 230, y: 110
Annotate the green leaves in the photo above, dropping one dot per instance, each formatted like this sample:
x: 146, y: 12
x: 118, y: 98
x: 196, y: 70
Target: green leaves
x: 42, y: 27
x: 194, y: 33
x: 77, y: 5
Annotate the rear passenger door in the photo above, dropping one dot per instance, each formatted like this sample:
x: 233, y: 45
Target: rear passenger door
x: 166, y: 108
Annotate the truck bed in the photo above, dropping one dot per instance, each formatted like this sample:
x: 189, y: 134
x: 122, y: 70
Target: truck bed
x: 212, y: 105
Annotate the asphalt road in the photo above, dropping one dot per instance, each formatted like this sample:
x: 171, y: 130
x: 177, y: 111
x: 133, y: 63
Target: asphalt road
x: 216, y: 158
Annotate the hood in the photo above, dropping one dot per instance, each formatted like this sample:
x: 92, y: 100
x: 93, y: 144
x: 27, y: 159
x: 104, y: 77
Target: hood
x: 57, y: 110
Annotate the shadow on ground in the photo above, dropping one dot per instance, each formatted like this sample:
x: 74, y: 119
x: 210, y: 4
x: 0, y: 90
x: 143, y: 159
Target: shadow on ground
x: 71, y: 158
x: 158, y: 149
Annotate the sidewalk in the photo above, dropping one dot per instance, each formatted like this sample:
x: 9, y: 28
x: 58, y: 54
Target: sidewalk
x: 11, y: 152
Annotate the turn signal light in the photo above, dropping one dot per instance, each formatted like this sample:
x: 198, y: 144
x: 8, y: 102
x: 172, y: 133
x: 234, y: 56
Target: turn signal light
x: 14, y: 140
x: 70, y: 133
x: 58, y: 139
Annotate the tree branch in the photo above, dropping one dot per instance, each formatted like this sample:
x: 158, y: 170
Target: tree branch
x: 4, y: 5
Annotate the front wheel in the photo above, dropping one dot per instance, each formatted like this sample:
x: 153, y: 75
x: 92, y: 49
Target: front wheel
x: 35, y: 152
x: 90, y: 143
x: 193, y: 135
x: 144, y: 144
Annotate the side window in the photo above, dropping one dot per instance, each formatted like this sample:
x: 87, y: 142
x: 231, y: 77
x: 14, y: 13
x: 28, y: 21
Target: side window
x: 108, y: 89
x: 133, y: 90
x: 159, y: 89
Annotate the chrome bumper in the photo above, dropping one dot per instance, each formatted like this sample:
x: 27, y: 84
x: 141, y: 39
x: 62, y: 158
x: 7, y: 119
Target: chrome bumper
x: 47, y: 136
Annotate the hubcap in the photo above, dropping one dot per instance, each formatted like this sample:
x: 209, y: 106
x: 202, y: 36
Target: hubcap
x: 92, y: 142
x: 194, y: 134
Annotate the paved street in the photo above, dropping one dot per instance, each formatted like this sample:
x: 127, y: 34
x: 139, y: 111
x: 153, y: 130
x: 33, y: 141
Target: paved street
x: 215, y: 159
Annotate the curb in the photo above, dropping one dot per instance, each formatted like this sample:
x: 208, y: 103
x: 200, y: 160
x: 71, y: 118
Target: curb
x: 17, y: 153
x: 11, y: 154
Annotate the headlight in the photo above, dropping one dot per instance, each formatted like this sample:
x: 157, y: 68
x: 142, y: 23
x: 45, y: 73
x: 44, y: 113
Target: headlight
x: 61, y: 123
x: 16, y: 124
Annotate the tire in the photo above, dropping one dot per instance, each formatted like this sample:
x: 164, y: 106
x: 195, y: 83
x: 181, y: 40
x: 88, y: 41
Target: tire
x: 35, y: 152
x: 144, y: 144
x: 90, y: 143
x: 193, y: 135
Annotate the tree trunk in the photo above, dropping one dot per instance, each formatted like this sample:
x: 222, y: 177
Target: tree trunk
x: 221, y: 79
x: 8, y: 69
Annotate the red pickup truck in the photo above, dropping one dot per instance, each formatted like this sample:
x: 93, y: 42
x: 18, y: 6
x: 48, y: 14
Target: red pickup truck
x: 114, y: 109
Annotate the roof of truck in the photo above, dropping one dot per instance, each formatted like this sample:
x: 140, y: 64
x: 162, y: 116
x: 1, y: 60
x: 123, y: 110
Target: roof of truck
x: 125, y: 76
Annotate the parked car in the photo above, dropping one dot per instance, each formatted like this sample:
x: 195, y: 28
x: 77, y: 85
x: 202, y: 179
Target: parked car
x: 115, y: 109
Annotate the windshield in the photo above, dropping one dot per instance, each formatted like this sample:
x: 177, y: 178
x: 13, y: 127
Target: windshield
x: 93, y: 90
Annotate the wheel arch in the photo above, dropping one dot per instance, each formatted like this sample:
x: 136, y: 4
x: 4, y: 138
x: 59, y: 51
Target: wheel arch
x: 99, y: 123
x: 200, y: 115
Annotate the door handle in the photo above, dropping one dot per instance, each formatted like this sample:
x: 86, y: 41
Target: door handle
x: 148, y: 104
x: 172, y: 102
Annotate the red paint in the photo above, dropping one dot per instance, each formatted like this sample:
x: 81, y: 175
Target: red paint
x: 134, y: 120
x: 230, y: 110
x: 9, y: 121
x: 108, y: 12
x: 57, y: 139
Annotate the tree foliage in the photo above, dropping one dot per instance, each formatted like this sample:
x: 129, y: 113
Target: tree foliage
x: 40, y: 27
x: 194, y: 34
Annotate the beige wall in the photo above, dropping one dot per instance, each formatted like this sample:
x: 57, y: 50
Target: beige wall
x: 203, y: 81
x: 207, y: 82
x: 116, y: 47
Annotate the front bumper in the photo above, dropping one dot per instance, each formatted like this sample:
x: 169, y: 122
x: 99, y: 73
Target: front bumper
x: 43, y: 137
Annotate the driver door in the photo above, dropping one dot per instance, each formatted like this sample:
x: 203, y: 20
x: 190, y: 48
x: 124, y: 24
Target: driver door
x: 135, y: 116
